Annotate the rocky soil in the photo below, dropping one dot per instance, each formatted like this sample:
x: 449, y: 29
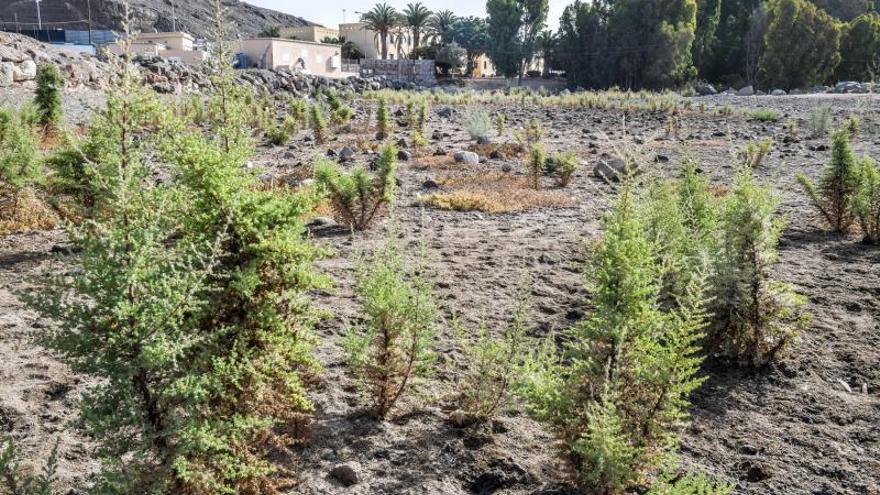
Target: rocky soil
x: 806, y: 426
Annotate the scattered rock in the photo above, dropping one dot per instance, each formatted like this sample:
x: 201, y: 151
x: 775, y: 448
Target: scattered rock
x: 430, y: 184
x: 466, y: 157
x: 403, y: 155
x: 346, y: 154
x: 7, y: 69
x: 746, y: 91
x: 778, y: 92
x: 610, y: 169
x: 706, y: 90
x: 347, y: 473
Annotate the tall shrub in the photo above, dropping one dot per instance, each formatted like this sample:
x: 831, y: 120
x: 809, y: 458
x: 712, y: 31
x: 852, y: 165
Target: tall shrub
x: 48, y: 95
x: 834, y: 192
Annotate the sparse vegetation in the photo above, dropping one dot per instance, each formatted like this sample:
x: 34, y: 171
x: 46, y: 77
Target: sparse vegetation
x: 820, y: 121
x: 392, y: 348
x: 535, y: 163
x: 382, y: 120
x: 477, y: 125
x: 319, y: 125
x: 833, y: 195
x: 752, y: 155
x: 756, y: 318
x: 866, y: 201
x: 48, y: 95
x: 358, y: 197
x: 764, y: 115
x: 564, y: 167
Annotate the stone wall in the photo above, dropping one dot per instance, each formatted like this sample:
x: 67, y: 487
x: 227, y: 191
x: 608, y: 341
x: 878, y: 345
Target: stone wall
x: 418, y: 72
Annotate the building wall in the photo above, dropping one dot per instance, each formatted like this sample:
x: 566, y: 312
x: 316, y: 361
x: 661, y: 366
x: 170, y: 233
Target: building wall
x: 367, y: 41
x: 174, y: 41
x: 309, y: 33
x: 483, y: 67
x: 421, y: 72
x: 277, y: 53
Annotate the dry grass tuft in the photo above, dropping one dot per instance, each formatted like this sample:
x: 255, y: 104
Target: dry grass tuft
x: 506, y: 150
x: 493, y: 192
x: 26, y: 212
x: 441, y: 162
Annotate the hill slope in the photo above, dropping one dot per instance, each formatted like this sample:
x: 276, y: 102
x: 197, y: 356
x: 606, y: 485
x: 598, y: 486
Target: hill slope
x: 193, y: 16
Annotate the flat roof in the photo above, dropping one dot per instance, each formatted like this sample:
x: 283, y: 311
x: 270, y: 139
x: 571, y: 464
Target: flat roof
x: 288, y: 40
x: 164, y: 34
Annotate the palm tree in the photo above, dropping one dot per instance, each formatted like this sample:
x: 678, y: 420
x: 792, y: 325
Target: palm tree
x: 382, y: 19
x: 442, y: 25
x: 416, y: 17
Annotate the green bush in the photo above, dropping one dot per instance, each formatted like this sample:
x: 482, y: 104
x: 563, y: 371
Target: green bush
x: 492, y: 365
x: 536, y: 162
x: 319, y: 125
x: 357, y: 197
x: 20, y: 164
x: 15, y: 480
x: 756, y: 317
x: 48, y: 95
x: 190, y: 306
x: 618, y: 395
x: 564, y: 166
x: 392, y: 348
x: 764, y: 115
x: 477, y: 125
x: 278, y: 135
x: 383, y: 126
x: 839, y: 181
x: 866, y: 202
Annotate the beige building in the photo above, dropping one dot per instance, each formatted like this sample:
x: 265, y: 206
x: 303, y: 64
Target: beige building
x: 367, y: 40
x: 320, y: 59
x: 173, y: 46
x: 309, y: 33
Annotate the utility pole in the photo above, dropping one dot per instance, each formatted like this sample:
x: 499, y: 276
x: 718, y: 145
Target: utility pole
x: 89, y: 9
x: 343, y: 16
x: 173, y: 18
x: 39, y: 18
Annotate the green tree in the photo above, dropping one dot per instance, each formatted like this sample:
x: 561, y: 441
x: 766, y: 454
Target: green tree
x: 802, y: 45
x: 349, y: 50
x: 472, y: 35
x: 708, y: 19
x: 416, y: 17
x: 513, y: 26
x: 48, y: 95
x: 860, y: 49
x: 20, y: 164
x: 654, y: 41
x: 452, y: 58
x: 383, y: 20
x: 583, y: 45
x: 273, y: 31
x: 442, y: 26
x: 839, y: 182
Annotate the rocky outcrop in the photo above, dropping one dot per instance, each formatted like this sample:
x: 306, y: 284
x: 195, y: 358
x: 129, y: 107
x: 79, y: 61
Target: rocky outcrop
x: 20, y: 56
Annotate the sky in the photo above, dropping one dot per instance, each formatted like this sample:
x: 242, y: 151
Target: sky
x: 329, y: 12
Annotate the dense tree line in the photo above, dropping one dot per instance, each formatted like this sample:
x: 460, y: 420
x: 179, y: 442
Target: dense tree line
x: 768, y: 43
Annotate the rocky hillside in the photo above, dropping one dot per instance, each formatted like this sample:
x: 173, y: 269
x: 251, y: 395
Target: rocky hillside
x: 193, y: 16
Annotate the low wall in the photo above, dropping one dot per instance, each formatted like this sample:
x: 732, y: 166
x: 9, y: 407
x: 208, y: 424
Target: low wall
x: 420, y: 72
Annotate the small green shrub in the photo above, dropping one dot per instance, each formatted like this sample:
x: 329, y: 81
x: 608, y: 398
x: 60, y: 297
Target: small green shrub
x: 756, y: 317
x: 318, y: 123
x: 478, y: 125
x: 564, y: 167
x: 358, y: 197
x: 820, y: 121
x: 866, y: 202
x: 19, y: 154
x: 14, y: 480
x: 619, y: 393
x: 491, y: 366
x: 536, y: 162
x: 764, y: 115
x: 278, y: 135
x: 382, y: 120
x: 392, y: 348
x: 500, y: 122
x: 48, y: 95
x: 752, y: 155
x: 671, y: 483
x: 839, y: 181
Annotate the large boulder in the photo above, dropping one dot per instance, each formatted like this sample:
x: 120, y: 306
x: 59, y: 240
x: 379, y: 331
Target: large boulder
x: 778, y: 92
x: 706, y: 90
x: 611, y: 169
x: 466, y: 157
x: 10, y: 54
x: 7, y: 70
x: 845, y: 87
x: 25, y: 71
x: 746, y: 91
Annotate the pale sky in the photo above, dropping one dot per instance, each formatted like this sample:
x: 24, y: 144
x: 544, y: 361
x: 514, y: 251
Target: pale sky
x: 329, y: 12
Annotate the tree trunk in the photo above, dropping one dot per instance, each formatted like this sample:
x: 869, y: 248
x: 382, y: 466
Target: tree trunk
x: 384, y: 46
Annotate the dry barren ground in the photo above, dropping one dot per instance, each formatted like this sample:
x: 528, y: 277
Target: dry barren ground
x: 810, y: 425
